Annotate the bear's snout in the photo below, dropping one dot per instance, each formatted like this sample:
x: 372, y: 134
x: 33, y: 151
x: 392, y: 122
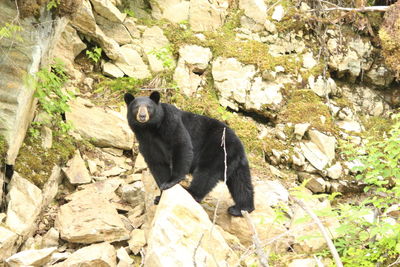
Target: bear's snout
x: 142, y: 114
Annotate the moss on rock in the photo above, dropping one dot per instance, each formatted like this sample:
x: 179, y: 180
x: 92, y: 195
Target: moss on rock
x: 36, y: 163
x: 305, y: 106
x: 3, y: 149
x: 389, y: 35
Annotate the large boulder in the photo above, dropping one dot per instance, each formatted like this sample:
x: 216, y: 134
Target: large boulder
x: 24, y: 205
x: 182, y: 234
x: 103, y: 127
x: 90, y: 218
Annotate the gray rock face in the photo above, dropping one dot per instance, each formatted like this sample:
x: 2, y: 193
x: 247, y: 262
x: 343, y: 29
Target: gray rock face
x: 207, y: 15
x: 154, y: 42
x: 193, y: 60
x: 239, y: 86
x: 105, y: 127
x: 254, y: 9
x: 131, y: 63
x: 172, y: 10
x: 21, y: 60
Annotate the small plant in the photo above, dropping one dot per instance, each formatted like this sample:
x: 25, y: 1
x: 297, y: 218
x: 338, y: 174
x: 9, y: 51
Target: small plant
x: 9, y: 31
x: 129, y: 12
x: 369, y: 236
x: 49, y: 91
x: 164, y: 54
x: 95, y: 54
x: 52, y: 4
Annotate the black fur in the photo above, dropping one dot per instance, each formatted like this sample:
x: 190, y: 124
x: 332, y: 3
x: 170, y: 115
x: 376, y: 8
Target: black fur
x: 175, y: 143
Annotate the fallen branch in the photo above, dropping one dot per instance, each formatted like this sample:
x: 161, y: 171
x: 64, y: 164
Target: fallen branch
x: 256, y: 241
x: 323, y: 230
x: 359, y: 9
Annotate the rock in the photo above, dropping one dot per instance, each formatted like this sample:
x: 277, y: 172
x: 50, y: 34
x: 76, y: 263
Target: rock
x: 7, y: 242
x: 76, y: 172
x: 114, y: 30
x: 314, y: 155
x: 105, y: 188
x: 325, y: 143
x: 67, y: 47
x: 193, y: 60
x: 105, y: 128
x: 279, y: 13
x: 122, y: 255
x: 309, y: 61
x: 90, y: 218
x: 137, y: 241
x: 300, y: 129
x: 106, y: 9
x: 352, y: 57
x: 266, y: 194
x: 263, y: 93
x: 95, y: 255
x: 207, y: 16
x: 155, y: 43
x: 233, y: 80
x: 270, y: 26
x: 303, y: 263
x: 335, y: 171
x: 24, y: 205
x: 133, y: 30
x: 47, y: 137
x: 350, y: 126
x: 112, y: 70
x: 132, y: 193
x: 85, y: 23
x: 50, y: 239
x: 35, y: 257
x: 50, y: 188
x: 174, y: 11
x: 114, y: 171
x: 315, y: 183
x: 254, y: 9
x: 140, y: 164
x: 322, y: 87
x: 181, y: 234
x: 131, y: 62
x: 379, y: 75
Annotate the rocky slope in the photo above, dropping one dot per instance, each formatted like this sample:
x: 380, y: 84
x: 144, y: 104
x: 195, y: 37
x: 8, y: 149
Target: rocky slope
x: 292, y: 89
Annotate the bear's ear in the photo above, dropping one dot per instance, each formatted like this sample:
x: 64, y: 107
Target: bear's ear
x: 155, y: 96
x: 128, y: 98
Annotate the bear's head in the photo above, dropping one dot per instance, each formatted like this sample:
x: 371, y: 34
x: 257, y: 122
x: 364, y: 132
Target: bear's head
x: 143, y: 110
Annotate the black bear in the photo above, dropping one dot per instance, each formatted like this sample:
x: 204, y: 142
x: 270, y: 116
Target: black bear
x: 175, y: 142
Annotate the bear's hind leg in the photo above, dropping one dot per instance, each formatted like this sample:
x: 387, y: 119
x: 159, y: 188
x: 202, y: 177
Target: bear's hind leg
x: 241, y: 189
x: 203, y: 182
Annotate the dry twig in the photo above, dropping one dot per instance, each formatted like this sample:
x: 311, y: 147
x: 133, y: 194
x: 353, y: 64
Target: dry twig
x: 256, y: 241
x: 359, y: 9
x: 323, y: 230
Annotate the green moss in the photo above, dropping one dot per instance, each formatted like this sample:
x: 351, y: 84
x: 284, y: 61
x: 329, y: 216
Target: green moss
x: 36, y: 163
x: 107, y: 90
x: 3, y: 149
x: 376, y: 127
x: 305, y: 106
